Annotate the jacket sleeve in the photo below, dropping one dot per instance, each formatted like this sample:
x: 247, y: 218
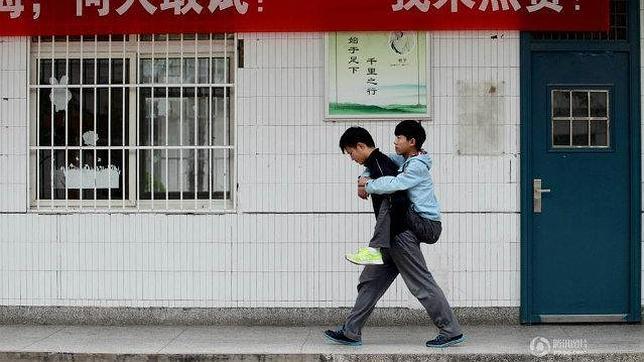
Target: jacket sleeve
x: 398, y: 159
x: 413, y: 174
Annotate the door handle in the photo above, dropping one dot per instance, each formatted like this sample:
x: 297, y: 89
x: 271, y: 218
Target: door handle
x: 536, y: 194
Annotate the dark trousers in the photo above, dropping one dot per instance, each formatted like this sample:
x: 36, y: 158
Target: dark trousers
x: 404, y: 258
x: 426, y: 230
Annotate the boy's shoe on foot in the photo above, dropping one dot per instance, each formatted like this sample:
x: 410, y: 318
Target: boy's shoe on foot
x: 441, y: 341
x: 366, y: 256
x: 339, y: 337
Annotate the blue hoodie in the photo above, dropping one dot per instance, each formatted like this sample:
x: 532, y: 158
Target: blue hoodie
x: 416, y: 179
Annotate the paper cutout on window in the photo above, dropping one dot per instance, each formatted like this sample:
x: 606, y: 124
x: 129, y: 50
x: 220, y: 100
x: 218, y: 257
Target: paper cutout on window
x: 60, y: 97
x: 90, y: 138
x: 88, y: 177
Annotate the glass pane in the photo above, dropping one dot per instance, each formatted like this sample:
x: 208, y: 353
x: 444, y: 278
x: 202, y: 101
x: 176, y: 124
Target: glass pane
x: 561, y: 133
x: 188, y: 70
x: 153, y: 174
x: 561, y: 104
x: 103, y: 125
x: 145, y: 71
x: 86, y: 136
x: 187, y: 173
x: 65, y: 104
x: 88, y: 71
x: 49, y: 176
x: 45, y: 118
x: 202, y: 72
x: 170, y: 70
x: 102, y: 170
x: 202, y: 174
x: 119, y: 102
x: 580, y: 104
x: 189, y: 107
x: 173, y: 172
x: 599, y: 133
x: 221, y: 70
x: 221, y: 166
x: 200, y: 171
x: 160, y: 69
x: 220, y: 118
x: 60, y: 71
x: 580, y: 133
x: 167, y: 115
x: 103, y: 71
x: 599, y: 104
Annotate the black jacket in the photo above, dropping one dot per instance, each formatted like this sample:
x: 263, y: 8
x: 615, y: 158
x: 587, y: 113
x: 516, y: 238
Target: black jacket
x: 380, y: 165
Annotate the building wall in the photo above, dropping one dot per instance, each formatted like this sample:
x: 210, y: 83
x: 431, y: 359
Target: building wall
x: 297, y: 210
x: 298, y: 213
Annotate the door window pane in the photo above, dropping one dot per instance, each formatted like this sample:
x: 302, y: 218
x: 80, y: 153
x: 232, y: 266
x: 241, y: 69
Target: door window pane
x: 561, y: 133
x: 580, y: 118
x: 580, y: 133
x: 561, y: 104
x: 599, y: 133
x: 598, y: 104
x: 580, y: 104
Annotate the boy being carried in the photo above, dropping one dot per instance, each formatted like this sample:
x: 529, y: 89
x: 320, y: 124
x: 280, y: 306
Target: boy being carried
x: 423, y: 218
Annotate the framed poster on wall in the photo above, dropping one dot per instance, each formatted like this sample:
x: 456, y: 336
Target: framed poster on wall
x: 376, y: 75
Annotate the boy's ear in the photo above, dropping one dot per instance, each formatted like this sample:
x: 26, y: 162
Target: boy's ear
x: 412, y: 141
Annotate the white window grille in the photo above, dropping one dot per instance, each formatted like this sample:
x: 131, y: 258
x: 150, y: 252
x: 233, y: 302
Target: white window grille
x: 132, y: 123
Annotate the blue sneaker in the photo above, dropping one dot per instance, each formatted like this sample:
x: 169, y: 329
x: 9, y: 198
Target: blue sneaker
x: 339, y: 337
x: 441, y: 341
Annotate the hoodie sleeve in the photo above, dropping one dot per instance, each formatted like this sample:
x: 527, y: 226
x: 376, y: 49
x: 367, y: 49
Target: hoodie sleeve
x: 398, y: 159
x: 414, y: 173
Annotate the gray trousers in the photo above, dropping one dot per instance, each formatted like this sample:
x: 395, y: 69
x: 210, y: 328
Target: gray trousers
x: 406, y: 258
x: 382, y: 230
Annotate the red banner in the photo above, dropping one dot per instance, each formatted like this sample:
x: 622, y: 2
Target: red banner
x: 74, y: 17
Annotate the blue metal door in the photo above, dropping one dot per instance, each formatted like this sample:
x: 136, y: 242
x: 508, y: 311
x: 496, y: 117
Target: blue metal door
x: 581, y: 200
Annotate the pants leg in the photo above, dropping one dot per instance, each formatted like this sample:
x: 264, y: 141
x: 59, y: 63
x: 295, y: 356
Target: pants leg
x: 381, y: 233
x: 427, y: 231
x: 409, y: 259
x: 374, y: 282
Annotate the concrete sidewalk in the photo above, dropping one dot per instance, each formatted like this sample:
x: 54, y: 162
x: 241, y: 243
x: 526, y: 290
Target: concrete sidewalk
x: 141, y: 343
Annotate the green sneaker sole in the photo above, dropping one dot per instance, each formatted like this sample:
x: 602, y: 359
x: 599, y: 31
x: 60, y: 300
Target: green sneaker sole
x: 370, y: 262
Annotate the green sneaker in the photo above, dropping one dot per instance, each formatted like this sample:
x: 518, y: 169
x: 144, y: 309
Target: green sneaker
x: 365, y: 256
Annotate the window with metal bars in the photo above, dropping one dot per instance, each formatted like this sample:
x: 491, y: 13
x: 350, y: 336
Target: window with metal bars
x: 618, y: 31
x: 132, y: 123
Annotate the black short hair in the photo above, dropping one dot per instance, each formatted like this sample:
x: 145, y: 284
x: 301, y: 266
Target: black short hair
x: 355, y: 135
x: 412, y: 129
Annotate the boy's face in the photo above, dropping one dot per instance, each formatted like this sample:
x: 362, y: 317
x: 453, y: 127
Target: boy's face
x: 359, y: 153
x: 404, y: 146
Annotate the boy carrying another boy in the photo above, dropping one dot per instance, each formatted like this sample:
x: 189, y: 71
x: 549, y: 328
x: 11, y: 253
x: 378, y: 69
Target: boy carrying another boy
x: 420, y: 221
x: 410, y: 193
x: 389, y: 209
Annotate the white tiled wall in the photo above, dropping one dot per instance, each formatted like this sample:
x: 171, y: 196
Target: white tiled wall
x: 13, y: 121
x: 298, y: 213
